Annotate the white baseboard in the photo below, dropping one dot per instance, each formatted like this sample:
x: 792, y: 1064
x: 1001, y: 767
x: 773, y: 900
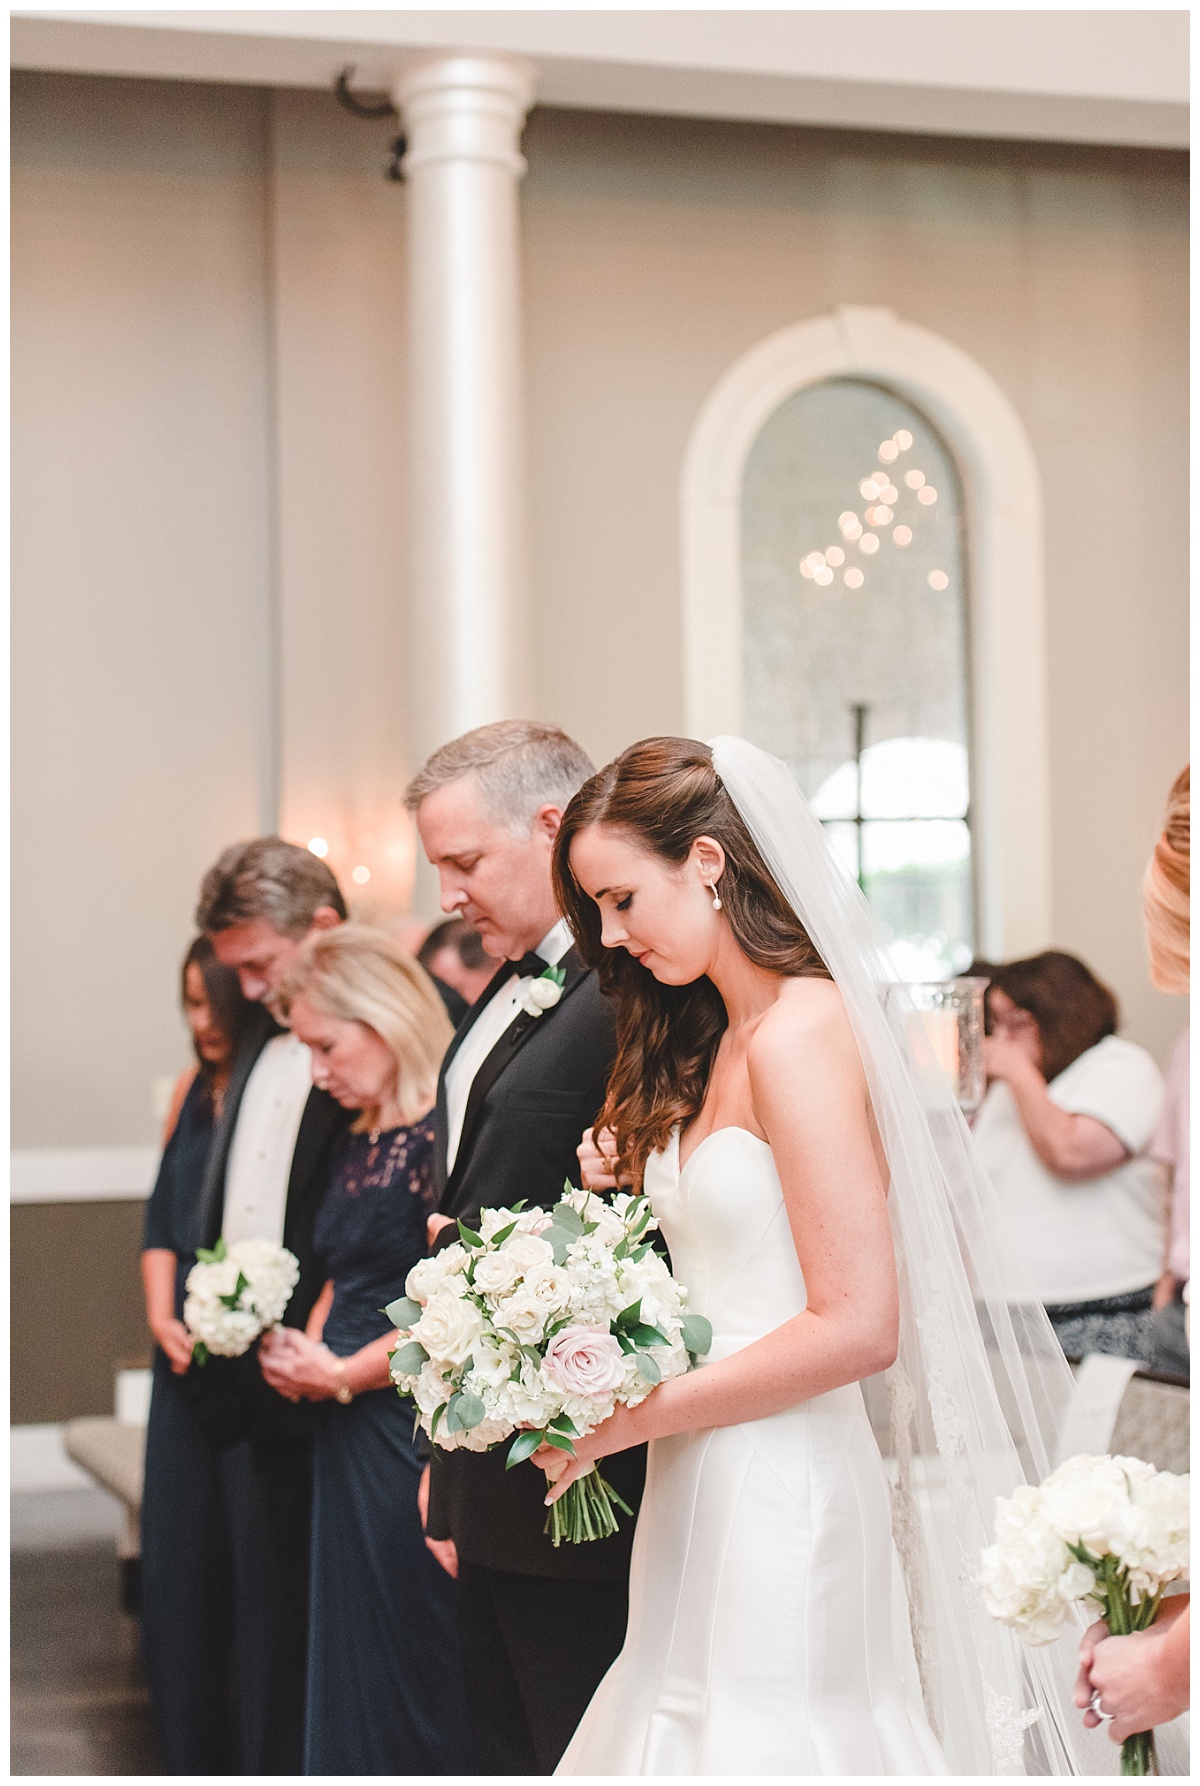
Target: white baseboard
x: 82, y: 1174
x: 38, y: 1462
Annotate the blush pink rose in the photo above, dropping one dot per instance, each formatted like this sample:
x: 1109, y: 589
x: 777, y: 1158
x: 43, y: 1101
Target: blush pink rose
x: 585, y: 1361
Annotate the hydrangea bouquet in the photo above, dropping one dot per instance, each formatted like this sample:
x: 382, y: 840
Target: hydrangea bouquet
x: 1112, y: 1531
x: 236, y: 1292
x: 540, y: 1324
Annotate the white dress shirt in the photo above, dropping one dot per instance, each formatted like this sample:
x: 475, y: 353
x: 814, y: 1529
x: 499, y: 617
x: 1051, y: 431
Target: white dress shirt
x: 264, y: 1139
x: 487, y: 1031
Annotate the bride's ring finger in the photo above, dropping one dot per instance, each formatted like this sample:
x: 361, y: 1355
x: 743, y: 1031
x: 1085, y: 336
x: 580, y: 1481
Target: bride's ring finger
x: 1094, y: 1705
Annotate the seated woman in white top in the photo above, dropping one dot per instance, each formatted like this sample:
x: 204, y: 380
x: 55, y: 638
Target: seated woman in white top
x: 1065, y: 1132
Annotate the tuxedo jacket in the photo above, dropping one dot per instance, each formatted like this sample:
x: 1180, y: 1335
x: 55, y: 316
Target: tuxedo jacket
x: 234, y: 1399
x: 540, y: 1087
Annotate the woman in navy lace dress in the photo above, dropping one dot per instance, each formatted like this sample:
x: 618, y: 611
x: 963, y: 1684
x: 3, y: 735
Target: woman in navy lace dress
x: 384, y: 1684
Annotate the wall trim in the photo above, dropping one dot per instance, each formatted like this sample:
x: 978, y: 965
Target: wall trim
x: 82, y: 1174
x: 1002, y: 495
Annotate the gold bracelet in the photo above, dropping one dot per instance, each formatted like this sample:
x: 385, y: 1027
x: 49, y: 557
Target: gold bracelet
x: 343, y: 1392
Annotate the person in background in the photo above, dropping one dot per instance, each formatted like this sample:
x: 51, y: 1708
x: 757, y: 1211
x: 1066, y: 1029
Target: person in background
x: 453, y: 952
x: 268, y: 1168
x: 1144, y: 1679
x: 1064, y: 1132
x: 1167, y: 897
x: 385, y: 1685
x: 187, y: 1576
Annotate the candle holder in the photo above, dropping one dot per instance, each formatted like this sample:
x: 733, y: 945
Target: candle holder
x: 951, y: 1014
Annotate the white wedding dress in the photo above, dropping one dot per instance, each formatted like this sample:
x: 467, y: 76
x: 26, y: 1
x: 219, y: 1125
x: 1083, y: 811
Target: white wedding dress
x: 767, y: 1626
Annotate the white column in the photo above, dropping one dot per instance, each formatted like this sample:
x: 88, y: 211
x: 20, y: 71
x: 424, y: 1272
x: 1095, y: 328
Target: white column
x: 463, y: 117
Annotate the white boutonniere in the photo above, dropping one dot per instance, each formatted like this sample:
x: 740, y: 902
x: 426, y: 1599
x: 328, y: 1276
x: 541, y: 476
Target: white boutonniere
x: 544, y: 993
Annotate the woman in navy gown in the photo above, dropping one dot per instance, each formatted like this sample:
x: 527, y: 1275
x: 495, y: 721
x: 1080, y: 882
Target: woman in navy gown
x: 385, y: 1692
x: 188, y: 1546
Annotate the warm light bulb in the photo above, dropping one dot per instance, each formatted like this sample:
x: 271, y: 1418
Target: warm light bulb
x: 903, y: 536
x: 361, y: 875
x: 870, y: 487
x: 927, y: 495
x: 914, y: 479
x: 823, y: 574
x: 869, y: 543
x: 834, y: 555
x: 318, y: 846
x: 889, y: 493
x: 903, y: 439
x: 889, y: 451
x: 938, y: 580
x: 850, y: 525
x: 854, y: 578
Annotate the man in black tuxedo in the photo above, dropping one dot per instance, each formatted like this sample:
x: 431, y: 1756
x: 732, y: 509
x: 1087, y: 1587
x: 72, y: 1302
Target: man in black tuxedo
x: 271, y: 1162
x: 540, y: 1626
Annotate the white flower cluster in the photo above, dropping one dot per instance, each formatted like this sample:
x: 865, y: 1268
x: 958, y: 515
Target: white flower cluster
x: 1097, y: 1525
x: 236, y: 1292
x: 542, y: 1321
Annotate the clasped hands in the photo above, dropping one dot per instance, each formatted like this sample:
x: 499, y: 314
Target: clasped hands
x: 297, y: 1366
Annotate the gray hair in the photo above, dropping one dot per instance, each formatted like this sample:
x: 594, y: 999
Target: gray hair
x: 269, y: 880
x: 520, y: 765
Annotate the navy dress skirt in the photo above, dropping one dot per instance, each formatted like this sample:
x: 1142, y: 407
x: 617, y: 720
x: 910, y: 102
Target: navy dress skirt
x: 385, y: 1688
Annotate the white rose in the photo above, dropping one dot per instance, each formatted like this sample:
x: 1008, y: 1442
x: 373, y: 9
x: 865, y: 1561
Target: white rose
x: 550, y: 1288
x: 1086, y: 1501
x: 527, y: 1251
x: 541, y: 995
x: 427, y: 1274
x: 496, y: 1274
x: 585, y: 1361
x: 449, y: 1326
x: 522, y: 1316
x: 492, y: 1365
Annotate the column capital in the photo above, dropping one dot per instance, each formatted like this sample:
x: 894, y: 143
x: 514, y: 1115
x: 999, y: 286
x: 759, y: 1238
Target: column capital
x: 465, y: 108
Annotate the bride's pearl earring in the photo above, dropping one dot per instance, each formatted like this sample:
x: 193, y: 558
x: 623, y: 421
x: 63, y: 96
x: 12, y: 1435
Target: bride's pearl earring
x: 716, y: 896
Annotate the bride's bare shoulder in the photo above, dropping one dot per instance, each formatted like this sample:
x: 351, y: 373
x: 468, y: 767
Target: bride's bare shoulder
x: 807, y: 1025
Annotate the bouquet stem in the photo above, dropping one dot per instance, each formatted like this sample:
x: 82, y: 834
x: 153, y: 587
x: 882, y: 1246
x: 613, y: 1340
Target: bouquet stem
x: 585, y: 1512
x: 1137, y: 1753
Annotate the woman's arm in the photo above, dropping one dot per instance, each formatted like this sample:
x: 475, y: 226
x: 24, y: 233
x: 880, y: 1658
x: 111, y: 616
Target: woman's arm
x: 314, y: 1327
x: 810, y: 1097
x: 158, y: 1280
x: 297, y: 1366
x: 1068, y: 1144
x: 182, y: 1087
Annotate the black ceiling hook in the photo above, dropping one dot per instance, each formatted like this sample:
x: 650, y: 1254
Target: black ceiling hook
x: 359, y: 108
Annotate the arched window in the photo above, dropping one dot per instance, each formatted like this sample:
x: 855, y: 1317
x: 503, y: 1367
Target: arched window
x: 854, y: 649
x: 790, y: 402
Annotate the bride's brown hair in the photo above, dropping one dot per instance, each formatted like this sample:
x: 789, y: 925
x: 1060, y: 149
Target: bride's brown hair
x: 663, y: 794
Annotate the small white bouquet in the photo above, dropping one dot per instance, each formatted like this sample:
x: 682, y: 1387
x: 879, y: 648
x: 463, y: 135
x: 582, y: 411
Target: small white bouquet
x: 1109, y: 1530
x: 541, y: 1324
x: 236, y: 1292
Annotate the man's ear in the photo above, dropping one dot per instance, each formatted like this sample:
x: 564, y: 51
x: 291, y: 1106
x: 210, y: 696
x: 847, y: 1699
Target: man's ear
x: 548, y: 819
x: 324, y: 918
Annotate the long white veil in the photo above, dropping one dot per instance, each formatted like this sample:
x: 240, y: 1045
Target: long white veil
x: 980, y: 1386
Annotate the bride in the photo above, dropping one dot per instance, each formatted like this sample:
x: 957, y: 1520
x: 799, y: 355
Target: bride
x: 792, y: 1611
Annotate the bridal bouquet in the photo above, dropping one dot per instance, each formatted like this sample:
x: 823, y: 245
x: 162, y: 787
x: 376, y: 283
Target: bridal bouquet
x: 1111, y: 1531
x: 236, y: 1292
x: 540, y: 1325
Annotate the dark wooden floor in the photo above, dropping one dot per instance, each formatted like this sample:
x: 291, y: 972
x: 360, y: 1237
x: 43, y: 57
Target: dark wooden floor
x: 79, y: 1703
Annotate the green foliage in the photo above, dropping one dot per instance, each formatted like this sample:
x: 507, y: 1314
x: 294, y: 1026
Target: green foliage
x: 404, y: 1312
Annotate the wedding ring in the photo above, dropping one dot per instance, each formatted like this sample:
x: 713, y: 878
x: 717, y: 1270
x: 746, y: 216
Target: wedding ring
x: 1094, y: 1705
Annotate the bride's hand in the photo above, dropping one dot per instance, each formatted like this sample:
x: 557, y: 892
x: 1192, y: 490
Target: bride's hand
x: 617, y: 1433
x: 597, y: 1156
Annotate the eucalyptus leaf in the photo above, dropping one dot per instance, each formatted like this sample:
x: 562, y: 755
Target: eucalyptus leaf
x: 558, y: 1243
x: 523, y: 1446
x: 408, y: 1359
x: 404, y: 1312
x: 453, y: 1422
x: 470, y: 1410
x: 648, y: 1368
x: 697, y: 1333
x: 568, y: 1219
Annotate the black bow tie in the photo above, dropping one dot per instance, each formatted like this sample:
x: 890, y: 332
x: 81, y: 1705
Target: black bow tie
x: 533, y: 964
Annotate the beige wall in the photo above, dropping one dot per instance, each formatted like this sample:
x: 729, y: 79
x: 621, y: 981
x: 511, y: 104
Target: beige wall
x: 208, y: 389
x: 658, y: 251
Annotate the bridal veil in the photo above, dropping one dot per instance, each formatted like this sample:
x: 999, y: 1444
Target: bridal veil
x: 980, y: 1386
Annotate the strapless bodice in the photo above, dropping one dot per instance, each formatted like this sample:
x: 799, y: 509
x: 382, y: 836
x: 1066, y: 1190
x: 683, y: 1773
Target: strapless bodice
x: 725, y: 1222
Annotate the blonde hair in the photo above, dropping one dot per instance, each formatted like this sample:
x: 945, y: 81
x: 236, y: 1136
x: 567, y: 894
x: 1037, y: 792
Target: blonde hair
x: 361, y: 976
x: 1166, y: 893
